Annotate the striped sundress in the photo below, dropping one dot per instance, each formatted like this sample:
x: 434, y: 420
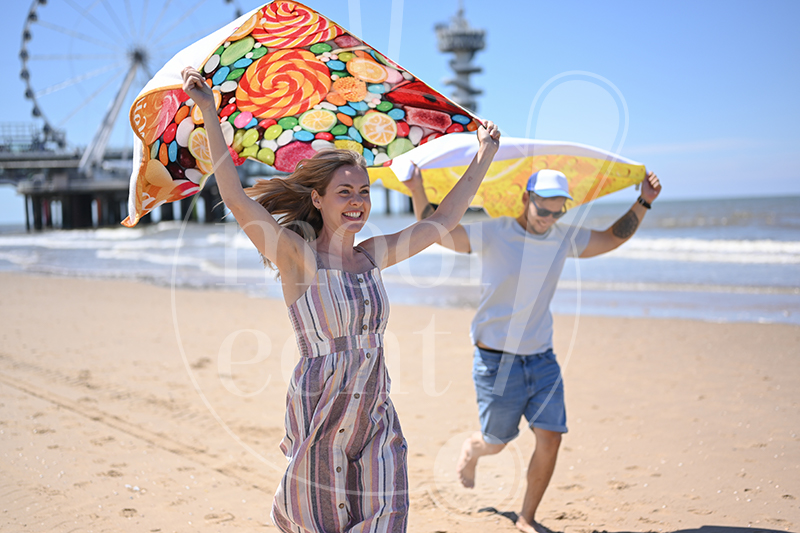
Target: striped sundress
x: 347, y: 455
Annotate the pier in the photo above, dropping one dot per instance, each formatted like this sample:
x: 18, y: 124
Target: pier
x: 59, y: 195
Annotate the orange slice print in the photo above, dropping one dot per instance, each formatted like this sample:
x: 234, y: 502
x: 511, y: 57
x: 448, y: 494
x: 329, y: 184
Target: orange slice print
x: 245, y: 29
x: 198, y: 147
x: 378, y: 128
x: 366, y: 70
x: 197, y: 115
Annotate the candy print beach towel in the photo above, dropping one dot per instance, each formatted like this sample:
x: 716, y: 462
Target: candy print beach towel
x: 591, y: 172
x: 288, y: 83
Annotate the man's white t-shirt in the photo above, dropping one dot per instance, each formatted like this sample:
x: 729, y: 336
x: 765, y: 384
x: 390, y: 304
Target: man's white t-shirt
x: 519, y: 274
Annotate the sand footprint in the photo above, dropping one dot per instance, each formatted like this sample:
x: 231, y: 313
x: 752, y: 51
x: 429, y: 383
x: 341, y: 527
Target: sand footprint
x: 571, y: 488
x: 570, y: 515
x: 218, y: 518
x: 619, y: 485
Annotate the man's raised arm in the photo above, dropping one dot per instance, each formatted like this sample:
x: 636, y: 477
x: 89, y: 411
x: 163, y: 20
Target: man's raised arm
x: 458, y: 241
x: 623, y: 229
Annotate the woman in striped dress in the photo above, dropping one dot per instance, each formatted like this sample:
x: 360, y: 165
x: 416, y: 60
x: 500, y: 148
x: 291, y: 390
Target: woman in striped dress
x: 347, y: 455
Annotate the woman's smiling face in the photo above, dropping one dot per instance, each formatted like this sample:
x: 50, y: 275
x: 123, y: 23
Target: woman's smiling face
x: 346, y: 203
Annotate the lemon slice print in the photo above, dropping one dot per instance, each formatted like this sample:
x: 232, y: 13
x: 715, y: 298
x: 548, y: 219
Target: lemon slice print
x: 317, y: 120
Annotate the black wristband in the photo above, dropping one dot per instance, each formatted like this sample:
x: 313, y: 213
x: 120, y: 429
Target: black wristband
x: 644, y: 203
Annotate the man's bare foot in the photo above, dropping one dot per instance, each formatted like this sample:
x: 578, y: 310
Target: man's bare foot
x: 466, y: 465
x: 531, y: 527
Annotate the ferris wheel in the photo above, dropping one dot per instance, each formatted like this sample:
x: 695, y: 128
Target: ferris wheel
x: 84, y: 61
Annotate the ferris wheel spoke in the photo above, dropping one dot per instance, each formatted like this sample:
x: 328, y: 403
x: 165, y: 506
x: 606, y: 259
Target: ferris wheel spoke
x: 145, y: 8
x: 158, y: 20
x: 71, y: 57
x: 117, y: 22
x: 178, y: 22
x: 85, y: 13
x: 129, y: 12
x: 148, y: 72
x: 78, y: 79
x: 89, y: 99
x: 94, y: 5
x: 77, y: 35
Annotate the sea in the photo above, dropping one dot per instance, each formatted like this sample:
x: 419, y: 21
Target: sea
x: 719, y: 260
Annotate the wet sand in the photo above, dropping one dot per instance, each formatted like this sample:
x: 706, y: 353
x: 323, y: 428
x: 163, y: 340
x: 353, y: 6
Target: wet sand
x: 120, y: 415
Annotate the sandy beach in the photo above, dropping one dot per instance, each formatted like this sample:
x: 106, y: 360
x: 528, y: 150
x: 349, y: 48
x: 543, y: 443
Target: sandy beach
x: 132, y: 407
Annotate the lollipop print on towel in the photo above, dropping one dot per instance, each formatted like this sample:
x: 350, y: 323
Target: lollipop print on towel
x: 289, y: 83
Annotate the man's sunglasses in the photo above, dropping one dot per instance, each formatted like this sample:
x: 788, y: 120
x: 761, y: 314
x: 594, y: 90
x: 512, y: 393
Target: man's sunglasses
x: 544, y: 213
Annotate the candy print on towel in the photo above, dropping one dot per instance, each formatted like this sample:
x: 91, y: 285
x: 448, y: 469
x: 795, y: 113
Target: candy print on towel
x: 289, y: 83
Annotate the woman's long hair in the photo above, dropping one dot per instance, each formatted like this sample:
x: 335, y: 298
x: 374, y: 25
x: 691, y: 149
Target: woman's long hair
x: 289, y: 199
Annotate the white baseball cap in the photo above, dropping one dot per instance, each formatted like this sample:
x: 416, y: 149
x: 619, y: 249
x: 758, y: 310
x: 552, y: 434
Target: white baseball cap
x: 549, y: 184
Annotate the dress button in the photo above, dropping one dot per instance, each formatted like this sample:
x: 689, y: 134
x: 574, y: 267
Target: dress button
x: 341, y: 506
x: 341, y: 430
x: 338, y: 468
x: 361, y: 280
x: 366, y: 302
x: 356, y: 396
x: 368, y: 355
x: 364, y: 327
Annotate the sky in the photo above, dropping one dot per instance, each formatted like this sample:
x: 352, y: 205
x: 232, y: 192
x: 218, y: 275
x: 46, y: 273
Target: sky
x: 703, y: 93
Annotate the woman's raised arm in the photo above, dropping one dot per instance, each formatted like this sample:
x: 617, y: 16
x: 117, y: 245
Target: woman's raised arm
x: 391, y: 249
x: 284, y: 248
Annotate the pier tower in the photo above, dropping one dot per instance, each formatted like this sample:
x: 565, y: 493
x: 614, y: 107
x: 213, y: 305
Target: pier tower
x: 463, y: 41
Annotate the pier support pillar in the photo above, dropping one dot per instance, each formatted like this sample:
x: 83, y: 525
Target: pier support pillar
x: 27, y: 213
x: 114, y: 211
x: 215, y: 210
x: 81, y: 211
x: 36, y: 204
x: 167, y: 212
x: 186, y: 206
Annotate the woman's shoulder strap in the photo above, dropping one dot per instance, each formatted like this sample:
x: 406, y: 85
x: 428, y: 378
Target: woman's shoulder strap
x: 320, y: 265
x: 366, y: 253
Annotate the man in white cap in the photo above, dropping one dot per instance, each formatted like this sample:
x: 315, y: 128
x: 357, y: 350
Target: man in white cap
x: 514, y: 369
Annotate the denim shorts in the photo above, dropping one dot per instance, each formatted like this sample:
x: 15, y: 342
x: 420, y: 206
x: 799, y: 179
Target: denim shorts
x: 510, y: 386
